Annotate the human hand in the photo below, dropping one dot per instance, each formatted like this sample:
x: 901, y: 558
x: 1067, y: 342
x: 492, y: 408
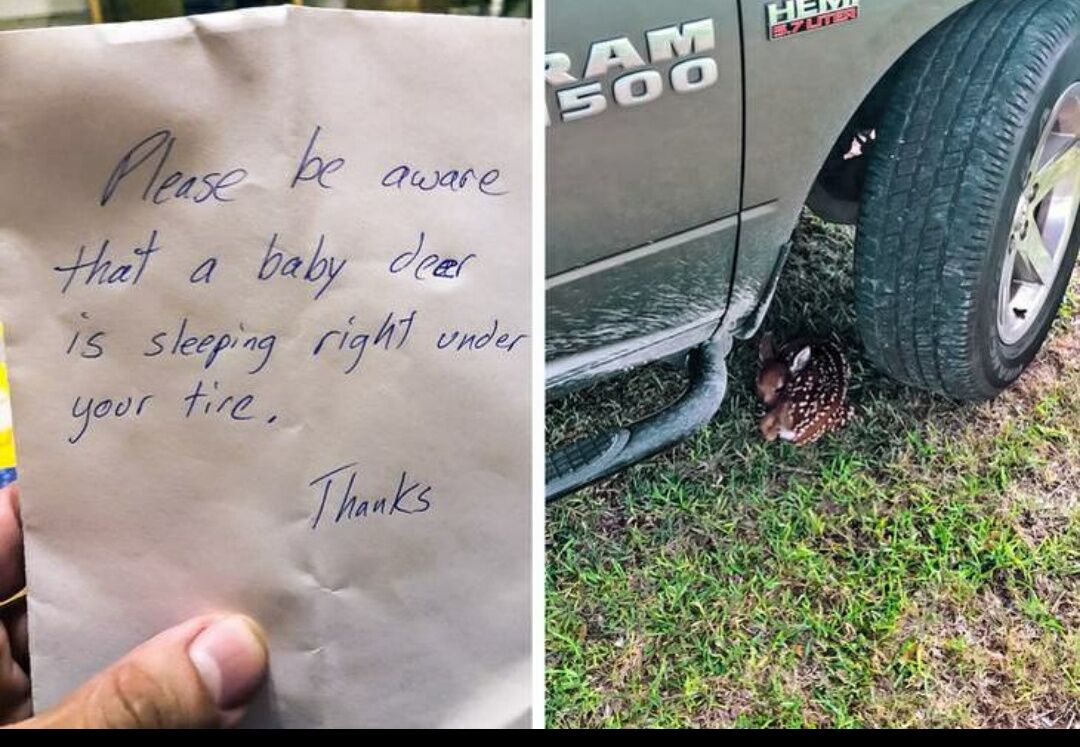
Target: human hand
x: 201, y: 673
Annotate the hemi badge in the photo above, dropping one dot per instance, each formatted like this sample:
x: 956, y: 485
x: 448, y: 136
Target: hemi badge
x: 796, y: 16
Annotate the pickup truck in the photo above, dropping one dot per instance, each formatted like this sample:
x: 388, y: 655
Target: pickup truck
x: 684, y: 138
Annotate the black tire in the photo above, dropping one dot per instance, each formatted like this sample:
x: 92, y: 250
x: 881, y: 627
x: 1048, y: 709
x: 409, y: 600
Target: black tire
x: 964, y: 117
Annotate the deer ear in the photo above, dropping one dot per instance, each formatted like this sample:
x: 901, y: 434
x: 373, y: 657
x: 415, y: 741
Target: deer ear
x: 801, y: 359
x: 766, y: 348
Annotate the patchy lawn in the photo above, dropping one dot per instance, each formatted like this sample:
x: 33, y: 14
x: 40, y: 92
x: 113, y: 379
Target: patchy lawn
x: 920, y: 569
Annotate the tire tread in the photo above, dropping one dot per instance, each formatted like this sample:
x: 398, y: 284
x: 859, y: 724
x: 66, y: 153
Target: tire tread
x: 935, y: 184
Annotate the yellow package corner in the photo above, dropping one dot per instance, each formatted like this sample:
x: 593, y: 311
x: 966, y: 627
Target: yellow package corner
x: 7, y: 436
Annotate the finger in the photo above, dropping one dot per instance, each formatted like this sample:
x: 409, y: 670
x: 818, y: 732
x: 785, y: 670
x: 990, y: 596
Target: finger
x: 15, y: 621
x: 16, y: 713
x: 11, y: 545
x: 201, y: 673
x: 14, y: 684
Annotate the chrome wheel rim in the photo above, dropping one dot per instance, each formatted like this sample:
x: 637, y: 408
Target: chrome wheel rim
x: 1043, y: 222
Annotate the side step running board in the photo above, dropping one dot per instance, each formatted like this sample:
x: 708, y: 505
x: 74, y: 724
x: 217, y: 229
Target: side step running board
x: 583, y: 462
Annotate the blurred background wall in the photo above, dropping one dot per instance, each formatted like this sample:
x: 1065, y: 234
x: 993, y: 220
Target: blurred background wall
x: 17, y: 14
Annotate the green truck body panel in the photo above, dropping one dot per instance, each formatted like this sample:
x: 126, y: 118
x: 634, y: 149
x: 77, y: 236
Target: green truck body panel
x: 668, y: 211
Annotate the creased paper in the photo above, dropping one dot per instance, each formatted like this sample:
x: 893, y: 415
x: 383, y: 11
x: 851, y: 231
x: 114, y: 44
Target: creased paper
x: 265, y: 284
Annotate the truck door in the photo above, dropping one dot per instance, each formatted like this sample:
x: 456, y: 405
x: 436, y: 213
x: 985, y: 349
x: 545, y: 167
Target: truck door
x: 644, y: 104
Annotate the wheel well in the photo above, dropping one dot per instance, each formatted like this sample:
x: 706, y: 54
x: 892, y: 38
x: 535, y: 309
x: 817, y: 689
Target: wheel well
x: 838, y: 186
x: 837, y: 189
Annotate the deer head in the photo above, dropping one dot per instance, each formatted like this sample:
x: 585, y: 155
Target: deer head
x: 774, y: 372
x: 779, y: 423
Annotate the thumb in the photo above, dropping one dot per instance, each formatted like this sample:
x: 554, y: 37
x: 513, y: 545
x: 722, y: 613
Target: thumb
x: 201, y: 673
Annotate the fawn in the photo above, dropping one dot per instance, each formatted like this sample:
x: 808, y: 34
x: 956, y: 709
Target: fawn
x: 804, y: 384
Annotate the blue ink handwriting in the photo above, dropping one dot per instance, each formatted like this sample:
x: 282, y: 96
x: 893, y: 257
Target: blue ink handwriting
x: 315, y: 168
x: 212, y: 344
x: 461, y: 340
x: 357, y: 342
x: 447, y: 268
x: 447, y: 180
x: 411, y: 497
x: 105, y: 271
x: 93, y: 409
x: 316, y: 269
x: 179, y: 185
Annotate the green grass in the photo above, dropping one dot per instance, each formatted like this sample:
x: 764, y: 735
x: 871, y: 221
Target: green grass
x: 922, y: 568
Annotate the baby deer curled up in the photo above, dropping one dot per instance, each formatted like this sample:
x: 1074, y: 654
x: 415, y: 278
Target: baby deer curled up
x: 804, y: 385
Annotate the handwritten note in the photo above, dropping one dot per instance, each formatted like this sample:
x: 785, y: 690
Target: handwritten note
x: 265, y: 284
